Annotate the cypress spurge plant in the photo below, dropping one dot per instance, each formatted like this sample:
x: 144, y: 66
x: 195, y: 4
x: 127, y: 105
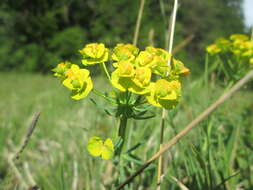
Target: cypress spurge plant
x: 233, y: 56
x: 140, y: 79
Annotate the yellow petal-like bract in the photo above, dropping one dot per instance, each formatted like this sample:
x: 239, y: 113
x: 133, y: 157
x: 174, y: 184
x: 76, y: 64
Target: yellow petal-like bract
x: 78, y: 81
x: 96, y: 147
x: 94, y: 53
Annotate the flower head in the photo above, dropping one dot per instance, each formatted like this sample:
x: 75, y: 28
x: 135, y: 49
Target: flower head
x: 96, y: 147
x: 78, y: 81
x: 61, y: 68
x: 213, y: 49
x: 124, y: 52
x: 164, y: 93
x: 94, y: 53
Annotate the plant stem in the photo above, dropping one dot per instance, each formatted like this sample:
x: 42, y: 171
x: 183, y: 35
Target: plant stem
x: 160, y: 160
x: 103, y: 67
x: 171, y: 35
x: 122, y: 133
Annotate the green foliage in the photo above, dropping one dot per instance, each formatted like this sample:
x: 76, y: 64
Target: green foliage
x: 37, y: 34
x: 217, y: 155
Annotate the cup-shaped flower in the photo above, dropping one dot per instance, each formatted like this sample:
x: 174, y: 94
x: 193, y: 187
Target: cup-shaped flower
x: 124, y: 52
x: 144, y: 59
x: 96, y: 147
x: 160, y: 66
x: 61, y: 68
x: 94, y: 53
x: 164, y: 93
x: 125, y: 69
x: 78, y: 81
x: 178, y: 69
x: 213, y: 49
x: 126, y: 78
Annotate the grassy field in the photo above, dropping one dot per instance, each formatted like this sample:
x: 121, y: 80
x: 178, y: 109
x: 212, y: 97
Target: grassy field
x: 216, y: 155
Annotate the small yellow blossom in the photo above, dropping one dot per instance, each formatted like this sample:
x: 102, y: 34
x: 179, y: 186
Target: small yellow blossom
x: 126, y: 78
x: 125, y: 52
x: 96, y: 147
x: 61, y: 68
x: 213, y: 49
x: 94, y: 53
x: 78, y: 81
x: 144, y: 59
x: 164, y: 93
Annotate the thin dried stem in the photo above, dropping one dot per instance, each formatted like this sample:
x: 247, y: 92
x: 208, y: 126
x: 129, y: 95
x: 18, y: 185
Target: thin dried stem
x: 182, y: 44
x: 75, y: 175
x: 190, y: 126
x: 16, y: 172
x: 138, y: 22
x: 164, y: 112
x: 28, y: 174
x: 28, y: 135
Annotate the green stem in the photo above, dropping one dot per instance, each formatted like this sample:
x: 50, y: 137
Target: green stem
x: 103, y: 67
x: 122, y: 133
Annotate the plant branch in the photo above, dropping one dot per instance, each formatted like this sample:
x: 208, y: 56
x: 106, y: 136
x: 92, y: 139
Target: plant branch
x: 190, y: 126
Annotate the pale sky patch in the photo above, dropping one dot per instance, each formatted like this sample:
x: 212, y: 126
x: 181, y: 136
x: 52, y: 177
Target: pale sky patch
x: 248, y: 12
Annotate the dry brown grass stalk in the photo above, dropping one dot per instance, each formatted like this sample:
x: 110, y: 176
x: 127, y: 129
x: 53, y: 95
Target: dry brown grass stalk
x: 138, y: 22
x: 28, y: 134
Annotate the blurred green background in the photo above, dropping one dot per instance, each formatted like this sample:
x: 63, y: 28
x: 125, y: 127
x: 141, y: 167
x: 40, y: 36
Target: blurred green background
x: 36, y: 35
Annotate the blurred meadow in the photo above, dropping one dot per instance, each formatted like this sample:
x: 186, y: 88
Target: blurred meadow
x: 36, y: 35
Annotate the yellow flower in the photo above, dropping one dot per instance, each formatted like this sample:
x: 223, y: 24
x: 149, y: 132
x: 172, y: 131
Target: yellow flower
x: 241, y: 37
x: 178, y: 68
x: 126, y: 78
x: 213, y: 49
x: 94, y: 53
x: 125, y: 69
x: 125, y: 52
x: 144, y: 59
x: 78, y: 81
x: 164, y: 93
x: 96, y: 147
x: 61, y: 68
x: 159, y: 64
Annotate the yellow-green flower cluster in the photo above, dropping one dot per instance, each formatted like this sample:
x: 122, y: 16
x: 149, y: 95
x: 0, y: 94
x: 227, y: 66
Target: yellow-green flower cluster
x: 136, y: 71
x: 76, y: 79
x: 153, y: 72
x: 238, y: 46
